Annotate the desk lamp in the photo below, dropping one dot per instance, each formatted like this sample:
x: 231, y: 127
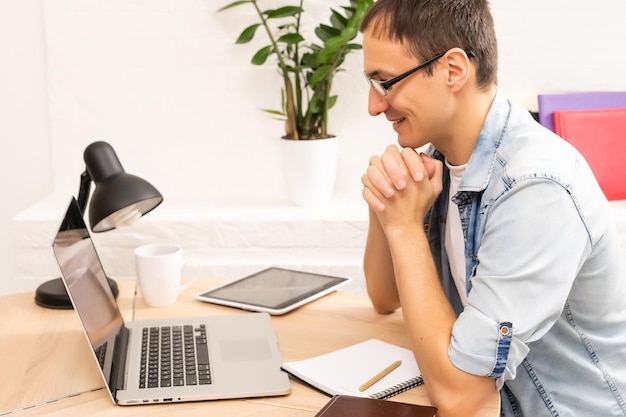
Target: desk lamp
x: 118, y: 200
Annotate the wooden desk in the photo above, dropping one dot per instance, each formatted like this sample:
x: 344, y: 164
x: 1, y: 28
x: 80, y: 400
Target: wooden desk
x: 47, y: 369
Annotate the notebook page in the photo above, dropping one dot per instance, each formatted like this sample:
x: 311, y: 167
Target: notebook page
x: 344, y: 371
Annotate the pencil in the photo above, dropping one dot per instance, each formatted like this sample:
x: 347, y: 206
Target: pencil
x: 379, y: 376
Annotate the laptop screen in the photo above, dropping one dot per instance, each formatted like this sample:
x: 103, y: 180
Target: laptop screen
x: 87, y: 287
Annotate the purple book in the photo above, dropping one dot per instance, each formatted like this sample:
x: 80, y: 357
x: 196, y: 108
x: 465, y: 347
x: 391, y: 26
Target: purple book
x: 549, y: 103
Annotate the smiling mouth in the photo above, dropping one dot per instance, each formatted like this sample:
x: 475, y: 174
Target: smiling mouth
x: 395, y: 122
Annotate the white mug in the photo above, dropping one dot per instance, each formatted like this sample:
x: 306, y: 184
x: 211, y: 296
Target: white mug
x: 159, y: 271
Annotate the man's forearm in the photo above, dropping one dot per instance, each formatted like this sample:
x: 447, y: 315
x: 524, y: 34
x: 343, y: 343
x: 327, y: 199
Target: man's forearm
x: 429, y: 318
x: 378, y: 269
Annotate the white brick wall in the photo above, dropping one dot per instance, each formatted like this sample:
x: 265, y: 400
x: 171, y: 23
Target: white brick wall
x: 559, y: 46
x: 166, y: 85
x: 163, y: 82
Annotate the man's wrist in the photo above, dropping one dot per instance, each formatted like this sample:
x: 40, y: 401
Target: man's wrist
x: 404, y: 233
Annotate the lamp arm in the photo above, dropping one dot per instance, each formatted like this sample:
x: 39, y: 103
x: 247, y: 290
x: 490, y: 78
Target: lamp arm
x: 83, y: 191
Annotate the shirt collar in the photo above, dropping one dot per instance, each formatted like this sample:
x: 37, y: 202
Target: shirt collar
x: 480, y: 165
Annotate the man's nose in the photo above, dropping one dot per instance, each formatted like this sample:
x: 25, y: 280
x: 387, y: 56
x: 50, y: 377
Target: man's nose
x: 376, y: 104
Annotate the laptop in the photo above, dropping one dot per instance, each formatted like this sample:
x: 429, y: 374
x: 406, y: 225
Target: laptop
x: 165, y: 360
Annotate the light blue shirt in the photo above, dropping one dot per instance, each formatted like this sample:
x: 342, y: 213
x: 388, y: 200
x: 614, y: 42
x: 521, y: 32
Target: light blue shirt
x: 546, y: 312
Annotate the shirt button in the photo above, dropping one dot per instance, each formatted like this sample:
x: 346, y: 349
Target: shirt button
x: 504, y: 331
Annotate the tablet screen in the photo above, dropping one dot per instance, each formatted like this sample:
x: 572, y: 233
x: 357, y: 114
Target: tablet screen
x: 273, y: 290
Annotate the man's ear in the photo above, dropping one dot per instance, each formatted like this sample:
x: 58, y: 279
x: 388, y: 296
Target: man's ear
x: 459, y: 65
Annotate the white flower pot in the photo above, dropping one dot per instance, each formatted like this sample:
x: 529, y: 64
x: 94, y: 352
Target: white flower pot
x: 310, y: 168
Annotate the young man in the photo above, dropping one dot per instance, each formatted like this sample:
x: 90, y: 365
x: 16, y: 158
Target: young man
x: 498, y: 245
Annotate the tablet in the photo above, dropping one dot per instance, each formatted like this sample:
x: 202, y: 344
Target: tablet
x: 274, y: 290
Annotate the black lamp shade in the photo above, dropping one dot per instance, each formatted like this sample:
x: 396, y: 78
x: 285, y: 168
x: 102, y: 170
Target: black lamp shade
x: 118, y: 198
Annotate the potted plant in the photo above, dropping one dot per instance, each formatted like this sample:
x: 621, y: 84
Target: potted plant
x: 307, y: 69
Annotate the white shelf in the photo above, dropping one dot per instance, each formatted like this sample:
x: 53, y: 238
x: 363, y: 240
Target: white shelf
x: 228, y: 241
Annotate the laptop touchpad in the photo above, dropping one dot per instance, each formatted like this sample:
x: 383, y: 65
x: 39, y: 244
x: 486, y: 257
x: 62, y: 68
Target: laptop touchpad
x: 245, y: 350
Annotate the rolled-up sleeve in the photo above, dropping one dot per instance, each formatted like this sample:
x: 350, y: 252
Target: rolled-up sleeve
x: 482, y: 346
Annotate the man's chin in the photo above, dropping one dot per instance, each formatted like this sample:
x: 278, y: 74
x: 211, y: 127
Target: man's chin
x: 403, y: 142
x: 410, y: 142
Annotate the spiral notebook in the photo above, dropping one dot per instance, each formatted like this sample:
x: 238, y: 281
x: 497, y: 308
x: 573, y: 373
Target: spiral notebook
x: 345, y: 370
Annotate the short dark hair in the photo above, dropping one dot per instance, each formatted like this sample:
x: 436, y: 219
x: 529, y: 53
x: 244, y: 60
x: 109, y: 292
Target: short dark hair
x: 429, y: 27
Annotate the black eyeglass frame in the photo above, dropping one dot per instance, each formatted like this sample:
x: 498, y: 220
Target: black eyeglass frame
x: 382, y: 87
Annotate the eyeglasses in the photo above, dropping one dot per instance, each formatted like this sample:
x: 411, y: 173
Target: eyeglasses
x: 382, y: 87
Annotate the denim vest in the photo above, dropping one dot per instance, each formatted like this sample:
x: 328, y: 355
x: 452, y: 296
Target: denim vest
x: 546, y: 311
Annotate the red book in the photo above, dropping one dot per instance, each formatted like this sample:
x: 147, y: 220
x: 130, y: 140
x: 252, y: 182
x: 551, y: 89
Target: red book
x: 600, y: 136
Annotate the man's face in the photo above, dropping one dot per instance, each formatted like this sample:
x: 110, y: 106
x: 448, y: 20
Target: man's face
x: 416, y: 105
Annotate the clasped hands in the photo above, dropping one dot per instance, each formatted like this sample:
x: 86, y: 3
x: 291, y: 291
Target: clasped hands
x: 401, y: 185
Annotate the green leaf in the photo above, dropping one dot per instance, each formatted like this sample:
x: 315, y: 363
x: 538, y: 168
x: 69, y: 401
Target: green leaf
x: 321, y: 73
x: 234, y: 4
x: 309, y: 60
x: 315, y: 105
x: 355, y: 46
x: 350, y: 12
x: 291, y: 38
x: 261, y: 56
x: 287, y: 26
x: 349, y: 33
x: 286, y: 11
x: 247, y: 34
x: 331, y: 48
x: 338, y: 20
x: 315, y: 48
x: 325, y: 32
x: 331, y: 102
x: 274, y: 112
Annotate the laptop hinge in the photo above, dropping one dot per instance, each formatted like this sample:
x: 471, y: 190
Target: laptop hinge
x: 119, y: 369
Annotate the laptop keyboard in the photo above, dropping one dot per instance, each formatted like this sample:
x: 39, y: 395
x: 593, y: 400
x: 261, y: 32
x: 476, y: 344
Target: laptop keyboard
x: 101, y: 352
x: 174, y: 356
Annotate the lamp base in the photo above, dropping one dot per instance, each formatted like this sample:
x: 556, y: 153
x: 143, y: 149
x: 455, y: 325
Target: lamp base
x: 52, y: 294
